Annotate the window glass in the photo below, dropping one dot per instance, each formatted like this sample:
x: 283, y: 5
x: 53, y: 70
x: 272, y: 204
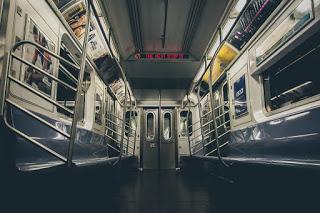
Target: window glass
x: 288, y: 28
x: 167, y: 126
x: 111, y: 120
x: 130, y: 123
x: 98, y: 109
x: 205, y: 107
x: 226, y: 104
x: 150, y: 126
x: 185, y: 122
x: 295, y: 77
x: 69, y: 75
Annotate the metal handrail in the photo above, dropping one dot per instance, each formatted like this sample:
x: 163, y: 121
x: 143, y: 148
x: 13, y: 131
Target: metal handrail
x: 9, y: 78
x: 120, y: 119
x: 73, y: 132
x: 40, y: 94
x: 21, y: 134
x: 193, y: 124
x: 118, y: 125
x: 214, y: 150
x: 19, y: 43
x: 38, y: 118
x: 44, y: 72
x: 206, y: 114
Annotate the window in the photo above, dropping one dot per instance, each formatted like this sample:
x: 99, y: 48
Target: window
x: 110, y: 119
x: 69, y: 75
x: 225, y: 91
x: 295, y: 77
x: 205, y: 107
x: 98, y: 109
x: 218, y: 107
x: 150, y: 126
x: 131, y: 117
x: 185, y: 122
x: 167, y: 126
x: 288, y: 28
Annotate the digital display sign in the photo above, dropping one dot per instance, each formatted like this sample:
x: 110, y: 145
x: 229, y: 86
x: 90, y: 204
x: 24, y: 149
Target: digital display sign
x: 161, y: 56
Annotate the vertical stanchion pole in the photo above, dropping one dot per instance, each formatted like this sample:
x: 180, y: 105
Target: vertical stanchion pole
x: 73, y: 132
x: 123, y: 119
x: 129, y: 126
x: 136, y: 128
x: 200, y: 117
x: 188, y: 114
x: 212, y: 103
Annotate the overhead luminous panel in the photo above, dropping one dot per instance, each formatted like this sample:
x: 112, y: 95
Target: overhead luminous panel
x: 225, y: 55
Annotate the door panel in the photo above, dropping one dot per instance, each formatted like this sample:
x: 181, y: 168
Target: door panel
x: 150, y: 139
x: 167, y: 139
x: 158, y: 138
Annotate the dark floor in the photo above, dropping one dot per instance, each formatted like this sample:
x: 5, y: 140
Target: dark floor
x: 161, y: 192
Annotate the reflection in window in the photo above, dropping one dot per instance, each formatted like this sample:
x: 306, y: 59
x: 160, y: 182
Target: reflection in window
x: 205, y: 112
x: 98, y: 109
x: 67, y: 74
x: 288, y: 28
x: 150, y: 126
x: 185, y: 122
x: 167, y: 128
x: 130, y: 123
x: 226, y: 104
x: 295, y: 77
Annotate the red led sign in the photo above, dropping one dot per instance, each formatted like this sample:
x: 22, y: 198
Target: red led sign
x: 161, y: 56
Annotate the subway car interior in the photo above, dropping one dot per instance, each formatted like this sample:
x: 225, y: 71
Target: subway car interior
x: 160, y: 106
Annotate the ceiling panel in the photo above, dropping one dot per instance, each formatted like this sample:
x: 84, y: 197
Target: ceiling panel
x: 183, y: 69
x: 152, y: 19
x: 118, y: 17
x: 175, y: 95
x: 212, y: 13
x: 171, y: 76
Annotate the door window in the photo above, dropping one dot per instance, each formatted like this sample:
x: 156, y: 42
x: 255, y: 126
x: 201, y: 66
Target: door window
x: 167, y: 126
x: 150, y: 126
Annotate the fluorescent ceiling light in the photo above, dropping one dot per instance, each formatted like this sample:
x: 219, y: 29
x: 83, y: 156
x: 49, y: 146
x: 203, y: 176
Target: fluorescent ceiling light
x: 214, y: 47
x: 238, y: 8
x: 200, y: 72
